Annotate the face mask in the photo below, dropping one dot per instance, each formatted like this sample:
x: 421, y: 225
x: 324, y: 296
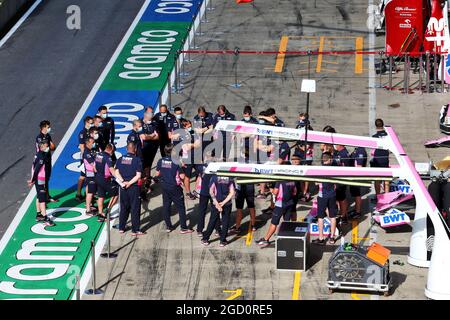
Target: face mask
x: 104, y: 115
x: 47, y: 149
x: 201, y: 117
x: 49, y: 130
x: 261, y: 121
x: 100, y: 124
x: 94, y: 145
x: 139, y: 130
x: 178, y: 116
x: 190, y: 129
x: 96, y: 136
x: 90, y: 125
x: 163, y: 114
x: 247, y: 118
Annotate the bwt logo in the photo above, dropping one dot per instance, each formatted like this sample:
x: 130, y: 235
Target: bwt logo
x: 264, y: 171
x: 264, y: 131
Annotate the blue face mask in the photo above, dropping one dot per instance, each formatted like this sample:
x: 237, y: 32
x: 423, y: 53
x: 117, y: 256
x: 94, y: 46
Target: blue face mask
x: 94, y: 145
x: 100, y: 124
x: 139, y: 130
x: 49, y: 130
x: 178, y: 116
x: 247, y: 118
x: 190, y: 129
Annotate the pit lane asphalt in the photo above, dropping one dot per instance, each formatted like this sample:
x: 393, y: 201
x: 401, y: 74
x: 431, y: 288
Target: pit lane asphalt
x: 46, y: 72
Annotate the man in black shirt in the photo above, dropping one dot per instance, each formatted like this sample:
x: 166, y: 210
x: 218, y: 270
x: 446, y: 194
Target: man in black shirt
x: 44, y: 135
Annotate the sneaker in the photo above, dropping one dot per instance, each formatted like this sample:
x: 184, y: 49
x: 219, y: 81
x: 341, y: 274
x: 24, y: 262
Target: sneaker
x: 217, y: 233
x: 199, y: 234
x: 79, y: 198
x: 223, y: 244
x: 234, y: 230
x: 39, y: 217
x: 319, y: 241
x: 205, y: 242
x: 195, y: 194
x: 190, y: 196
x: 48, y: 222
x: 260, y: 196
x: 254, y: 229
x: 186, y: 231
x: 354, y: 215
x: 91, y: 213
x: 138, y: 233
x: 169, y: 230
x: 262, y: 242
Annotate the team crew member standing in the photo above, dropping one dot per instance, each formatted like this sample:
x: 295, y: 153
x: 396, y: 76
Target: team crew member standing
x: 245, y: 193
x: 99, y: 140
x: 38, y: 179
x: 171, y: 180
x: 359, y: 157
x: 343, y: 159
x: 151, y: 144
x: 82, y: 136
x: 188, y: 157
x: 164, y: 119
x: 137, y: 136
x: 103, y: 179
x: 108, y: 131
x: 128, y: 172
x: 222, y: 191
x: 205, y: 197
x: 89, y: 166
x: 248, y: 140
x: 380, y: 157
x: 203, y: 126
x: 175, y: 125
x: 284, y: 195
x: 44, y: 135
x: 326, y: 200
x: 227, y: 138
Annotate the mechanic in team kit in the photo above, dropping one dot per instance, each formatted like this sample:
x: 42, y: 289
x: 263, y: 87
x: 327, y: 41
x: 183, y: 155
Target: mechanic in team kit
x: 203, y: 126
x: 128, y: 172
x: 222, y: 191
x: 90, y: 170
x: 44, y: 134
x: 359, y: 157
x: 39, y: 180
x: 223, y: 148
x: 175, y: 125
x: 164, y: 120
x: 108, y: 130
x: 104, y: 172
x: 150, y: 147
x: 247, y: 141
x: 380, y: 157
x: 326, y: 199
x: 137, y: 136
x: 284, y: 193
x: 171, y: 177
x: 190, y: 157
x: 82, y: 136
x: 98, y: 125
x: 205, y: 198
x: 343, y: 159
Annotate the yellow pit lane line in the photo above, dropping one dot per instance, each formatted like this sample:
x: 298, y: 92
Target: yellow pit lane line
x: 280, y: 57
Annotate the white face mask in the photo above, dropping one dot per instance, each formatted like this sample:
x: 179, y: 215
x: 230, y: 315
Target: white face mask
x: 178, y: 116
x: 96, y: 136
x: 49, y: 130
x: 104, y: 115
x: 47, y: 149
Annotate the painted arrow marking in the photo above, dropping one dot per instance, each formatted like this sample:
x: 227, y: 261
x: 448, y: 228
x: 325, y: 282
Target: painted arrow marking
x: 235, y: 293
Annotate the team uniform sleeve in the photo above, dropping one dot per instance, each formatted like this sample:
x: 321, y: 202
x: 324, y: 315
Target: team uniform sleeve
x: 113, y: 131
x: 158, y: 165
x: 37, y: 165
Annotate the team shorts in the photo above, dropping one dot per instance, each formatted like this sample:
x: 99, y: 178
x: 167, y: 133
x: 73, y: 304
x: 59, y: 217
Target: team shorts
x: 247, y: 194
x: 355, y: 191
x: 323, y: 204
x: 41, y: 193
x: 106, y: 187
x: 91, y: 186
x: 189, y: 168
x: 279, y: 212
x: 341, y: 192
